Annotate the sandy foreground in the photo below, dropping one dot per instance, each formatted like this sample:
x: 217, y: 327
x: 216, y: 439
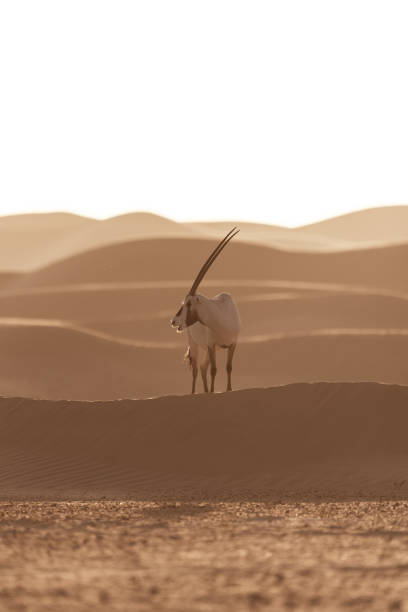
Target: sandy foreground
x: 185, y: 556
x: 266, y: 499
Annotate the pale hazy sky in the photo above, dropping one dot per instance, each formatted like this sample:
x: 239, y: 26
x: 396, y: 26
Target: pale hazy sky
x: 280, y: 111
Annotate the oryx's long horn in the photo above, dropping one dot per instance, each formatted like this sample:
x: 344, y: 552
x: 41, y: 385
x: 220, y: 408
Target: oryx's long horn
x: 211, y: 259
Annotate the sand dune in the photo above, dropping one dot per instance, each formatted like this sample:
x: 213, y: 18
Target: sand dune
x: 270, y: 313
x: 384, y: 224
x: 180, y: 259
x: 323, y: 355
x: 8, y: 278
x: 360, y: 229
x: 144, y: 314
x: 320, y: 438
x: 145, y: 310
x: 53, y: 360
x: 275, y: 236
x: 308, y: 311
x: 104, y: 303
x: 57, y: 361
x: 32, y: 241
x: 123, y: 228
x: 37, y: 222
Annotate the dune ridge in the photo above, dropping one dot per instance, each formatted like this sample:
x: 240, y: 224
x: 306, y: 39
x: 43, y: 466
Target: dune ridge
x: 381, y: 224
x: 150, y: 260
x: 35, y: 240
x: 363, y: 228
x: 342, y: 439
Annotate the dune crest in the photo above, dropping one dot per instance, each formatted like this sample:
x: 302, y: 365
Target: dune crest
x: 149, y: 260
x: 340, y: 439
x: 35, y: 240
x: 382, y: 225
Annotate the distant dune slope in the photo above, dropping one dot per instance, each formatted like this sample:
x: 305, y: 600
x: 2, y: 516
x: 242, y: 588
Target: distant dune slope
x: 274, y: 236
x: 144, y: 314
x: 56, y: 361
x: 261, y: 314
x: 8, y: 278
x: 31, y: 241
x: 310, y: 311
x: 382, y: 224
x: 43, y: 222
x: 359, y: 229
x: 62, y: 362
x: 181, y: 259
x: 319, y: 440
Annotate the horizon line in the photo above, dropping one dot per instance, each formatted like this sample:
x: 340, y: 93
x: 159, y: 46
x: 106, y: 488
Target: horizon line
x: 200, y: 221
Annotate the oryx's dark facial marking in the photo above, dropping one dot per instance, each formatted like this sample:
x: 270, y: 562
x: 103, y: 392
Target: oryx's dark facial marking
x: 192, y: 316
x: 178, y: 313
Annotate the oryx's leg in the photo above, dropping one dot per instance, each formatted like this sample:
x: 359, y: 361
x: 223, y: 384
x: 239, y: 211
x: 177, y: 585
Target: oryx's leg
x: 204, y: 367
x: 231, y: 350
x: 193, y: 355
x: 211, y: 354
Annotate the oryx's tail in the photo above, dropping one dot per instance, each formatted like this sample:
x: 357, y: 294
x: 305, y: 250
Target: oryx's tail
x: 187, y: 358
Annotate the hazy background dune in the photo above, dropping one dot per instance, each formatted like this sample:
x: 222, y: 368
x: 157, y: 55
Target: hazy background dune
x: 359, y: 229
x: 35, y: 240
x: 385, y: 224
x: 173, y: 259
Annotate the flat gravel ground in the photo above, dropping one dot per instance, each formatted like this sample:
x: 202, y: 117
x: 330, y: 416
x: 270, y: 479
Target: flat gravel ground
x: 181, y: 556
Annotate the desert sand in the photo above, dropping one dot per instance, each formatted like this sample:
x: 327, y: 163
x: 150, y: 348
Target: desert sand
x: 36, y: 240
x: 182, y: 556
x: 382, y: 224
x: 324, y: 439
x: 289, y: 492
x: 283, y: 498
x: 359, y: 229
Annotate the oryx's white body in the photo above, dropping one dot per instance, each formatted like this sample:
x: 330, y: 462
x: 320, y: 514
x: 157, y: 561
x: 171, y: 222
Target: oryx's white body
x: 218, y: 322
x: 211, y: 323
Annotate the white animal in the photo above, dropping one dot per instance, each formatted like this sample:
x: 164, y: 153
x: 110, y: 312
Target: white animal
x: 211, y: 323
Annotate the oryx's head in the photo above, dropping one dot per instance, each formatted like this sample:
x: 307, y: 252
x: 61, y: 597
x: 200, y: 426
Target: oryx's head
x: 188, y: 313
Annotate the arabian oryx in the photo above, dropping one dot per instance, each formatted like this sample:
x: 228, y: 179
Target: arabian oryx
x: 211, y: 323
